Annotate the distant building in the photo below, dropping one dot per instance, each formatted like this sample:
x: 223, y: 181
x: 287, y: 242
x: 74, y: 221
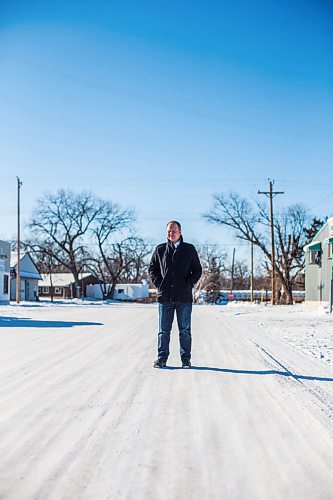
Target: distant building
x: 62, y: 285
x: 4, y: 272
x: 29, y: 277
x: 318, y: 265
x: 123, y: 291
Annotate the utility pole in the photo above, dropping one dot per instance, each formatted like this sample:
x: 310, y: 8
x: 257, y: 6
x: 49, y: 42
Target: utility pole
x: 251, y: 275
x: 271, y: 194
x: 232, y: 271
x: 18, y: 244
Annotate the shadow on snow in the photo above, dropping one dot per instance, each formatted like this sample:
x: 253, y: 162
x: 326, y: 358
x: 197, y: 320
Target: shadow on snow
x: 7, y: 321
x: 251, y: 372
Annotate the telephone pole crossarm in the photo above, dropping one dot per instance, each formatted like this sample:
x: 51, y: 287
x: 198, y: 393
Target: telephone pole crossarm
x: 268, y: 193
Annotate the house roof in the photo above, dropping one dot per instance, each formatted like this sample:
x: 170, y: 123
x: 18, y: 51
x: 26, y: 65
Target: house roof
x: 328, y: 222
x: 314, y: 246
x: 60, y: 279
x: 13, y: 258
x: 27, y: 266
x: 317, y: 239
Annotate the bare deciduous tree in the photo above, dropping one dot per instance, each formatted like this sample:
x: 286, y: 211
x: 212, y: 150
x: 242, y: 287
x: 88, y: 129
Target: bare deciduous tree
x: 63, y: 224
x: 251, y: 224
x: 136, y: 262
x: 240, y: 275
x: 123, y: 261
x: 59, y: 223
x: 213, y: 261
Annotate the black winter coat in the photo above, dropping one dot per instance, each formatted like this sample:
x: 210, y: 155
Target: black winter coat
x: 174, y: 271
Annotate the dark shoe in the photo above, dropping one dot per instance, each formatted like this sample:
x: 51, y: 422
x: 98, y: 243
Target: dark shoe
x: 186, y: 363
x: 159, y: 364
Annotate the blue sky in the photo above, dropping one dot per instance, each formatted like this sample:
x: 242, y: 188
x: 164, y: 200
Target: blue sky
x: 159, y: 105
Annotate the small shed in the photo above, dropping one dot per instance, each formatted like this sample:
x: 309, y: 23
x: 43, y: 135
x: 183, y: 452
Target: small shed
x: 4, y: 272
x: 123, y: 291
x: 318, y: 265
x: 29, y: 277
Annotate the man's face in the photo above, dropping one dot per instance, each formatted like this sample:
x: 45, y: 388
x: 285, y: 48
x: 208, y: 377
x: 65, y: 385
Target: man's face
x: 173, y: 232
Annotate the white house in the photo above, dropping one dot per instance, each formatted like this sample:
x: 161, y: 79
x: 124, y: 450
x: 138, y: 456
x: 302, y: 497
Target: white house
x: 29, y: 277
x: 4, y: 272
x: 319, y: 266
x: 123, y: 291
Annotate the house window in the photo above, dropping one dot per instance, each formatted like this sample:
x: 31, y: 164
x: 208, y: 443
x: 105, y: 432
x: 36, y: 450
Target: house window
x: 330, y: 245
x: 5, y: 284
x: 121, y: 290
x: 315, y: 257
x: 45, y: 289
x: 57, y: 290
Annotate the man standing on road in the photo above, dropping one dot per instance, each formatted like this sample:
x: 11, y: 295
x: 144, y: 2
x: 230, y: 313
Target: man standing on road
x: 174, y: 269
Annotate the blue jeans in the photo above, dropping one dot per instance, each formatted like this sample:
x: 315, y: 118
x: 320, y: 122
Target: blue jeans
x: 166, y: 312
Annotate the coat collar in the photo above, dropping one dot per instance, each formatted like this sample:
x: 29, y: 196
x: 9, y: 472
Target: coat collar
x: 172, y: 246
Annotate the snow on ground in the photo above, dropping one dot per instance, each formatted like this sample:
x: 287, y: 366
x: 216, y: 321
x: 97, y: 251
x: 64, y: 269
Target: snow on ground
x: 308, y: 329
x: 83, y: 415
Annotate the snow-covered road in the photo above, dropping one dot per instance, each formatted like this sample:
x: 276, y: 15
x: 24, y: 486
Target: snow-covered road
x: 83, y: 415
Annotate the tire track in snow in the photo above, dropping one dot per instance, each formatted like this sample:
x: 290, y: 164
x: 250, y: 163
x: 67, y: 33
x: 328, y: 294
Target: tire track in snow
x: 296, y: 442
x: 324, y: 399
x: 321, y: 397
